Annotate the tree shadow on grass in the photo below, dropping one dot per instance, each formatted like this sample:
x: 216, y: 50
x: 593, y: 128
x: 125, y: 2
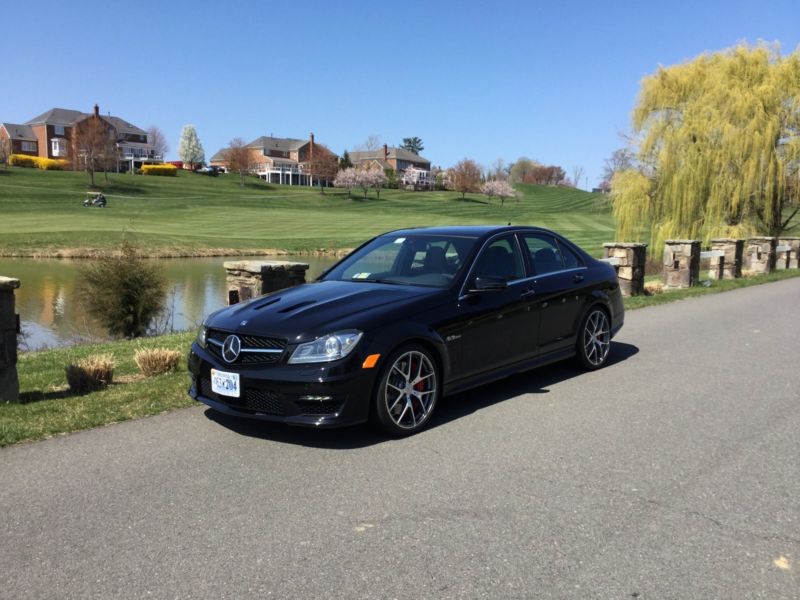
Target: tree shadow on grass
x: 470, y: 200
x: 449, y: 409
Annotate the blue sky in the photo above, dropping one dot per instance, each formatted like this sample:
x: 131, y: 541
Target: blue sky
x: 552, y: 81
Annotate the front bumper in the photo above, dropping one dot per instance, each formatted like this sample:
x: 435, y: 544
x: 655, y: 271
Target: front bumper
x: 319, y: 395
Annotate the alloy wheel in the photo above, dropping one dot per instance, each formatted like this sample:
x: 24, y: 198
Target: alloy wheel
x: 410, y: 392
x: 596, y: 338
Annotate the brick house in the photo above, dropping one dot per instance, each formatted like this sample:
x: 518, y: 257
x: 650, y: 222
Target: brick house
x: 49, y: 135
x: 397, y: 159
x: 280, y: 160
x: 22, y: 138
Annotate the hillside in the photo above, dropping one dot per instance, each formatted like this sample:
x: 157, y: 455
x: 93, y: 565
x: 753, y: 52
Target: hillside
x: 196, y: 214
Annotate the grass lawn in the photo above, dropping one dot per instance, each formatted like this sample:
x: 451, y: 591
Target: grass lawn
x: 49, y: 409
x: 194, y: 214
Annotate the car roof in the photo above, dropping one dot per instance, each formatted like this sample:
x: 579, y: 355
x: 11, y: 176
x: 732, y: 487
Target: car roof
x: 475, y: 231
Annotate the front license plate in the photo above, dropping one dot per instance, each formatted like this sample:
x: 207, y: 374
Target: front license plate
x: 225, y: 384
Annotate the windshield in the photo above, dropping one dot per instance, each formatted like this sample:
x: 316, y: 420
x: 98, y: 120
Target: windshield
x: 420, y: 259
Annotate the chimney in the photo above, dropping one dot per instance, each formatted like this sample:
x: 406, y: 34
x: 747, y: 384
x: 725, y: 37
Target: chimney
x: 385, y: 152
x: 96, y: 110
x: 311, y: 137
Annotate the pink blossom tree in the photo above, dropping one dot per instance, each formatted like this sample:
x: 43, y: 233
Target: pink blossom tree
x: 501, y: 189
x: 347, y: 178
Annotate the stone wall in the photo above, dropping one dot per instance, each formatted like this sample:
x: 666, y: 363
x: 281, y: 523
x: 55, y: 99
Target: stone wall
x: 681, y: 263
x: 631, y: 260
x: 728, y: 266
x: 761, y: 254
x: 9, y: 328
x: 250, y: 278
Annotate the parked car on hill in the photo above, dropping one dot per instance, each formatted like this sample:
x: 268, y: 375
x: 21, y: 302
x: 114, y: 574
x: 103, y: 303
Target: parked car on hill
x: 210, y: 170
x: 409, y: 316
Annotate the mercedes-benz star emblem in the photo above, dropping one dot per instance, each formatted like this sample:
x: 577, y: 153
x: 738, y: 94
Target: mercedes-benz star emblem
x: 231, y: 348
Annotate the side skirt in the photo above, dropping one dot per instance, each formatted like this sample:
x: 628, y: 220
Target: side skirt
x: 462, y: 385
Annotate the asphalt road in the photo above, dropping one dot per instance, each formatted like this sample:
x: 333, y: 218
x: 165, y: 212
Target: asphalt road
x: 672, y: 473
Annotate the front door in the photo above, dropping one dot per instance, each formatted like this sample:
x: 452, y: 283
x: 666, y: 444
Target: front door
x: 498, y: 327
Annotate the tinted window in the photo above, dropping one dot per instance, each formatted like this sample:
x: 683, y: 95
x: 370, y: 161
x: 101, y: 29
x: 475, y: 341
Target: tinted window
x: 430, y: 260
x: 544, y: 253
x: 571, y: 260
x: 501, y: 258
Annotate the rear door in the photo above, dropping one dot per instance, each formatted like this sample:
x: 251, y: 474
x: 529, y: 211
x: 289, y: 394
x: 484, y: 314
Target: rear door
x: 557, y: 289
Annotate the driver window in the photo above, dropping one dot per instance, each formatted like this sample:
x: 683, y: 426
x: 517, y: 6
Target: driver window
x: 501, y: 258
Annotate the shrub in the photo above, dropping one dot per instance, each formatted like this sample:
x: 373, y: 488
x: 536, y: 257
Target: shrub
x: 156, y: 361
x: 22, y: 160
x: 165, y: 170
x: 91, y: 373
x: 51, y: 164
x: 123, y: 292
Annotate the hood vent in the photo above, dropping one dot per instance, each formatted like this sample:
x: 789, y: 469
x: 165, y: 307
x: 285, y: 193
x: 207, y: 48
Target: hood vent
x: 296, y: 306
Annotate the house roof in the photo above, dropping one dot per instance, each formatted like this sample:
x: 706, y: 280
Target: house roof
x: 272, y: 143
x: 219, y: 156
x: 394, y: 153
x: 65, y: 116
x: 122, y: 126
x: 20, y: 132
x: 57, y: 116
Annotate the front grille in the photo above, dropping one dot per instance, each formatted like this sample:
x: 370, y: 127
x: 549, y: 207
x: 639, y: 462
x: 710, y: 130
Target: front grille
x: 249, y: 342
x: 313, y: 407
x: 252, y: 399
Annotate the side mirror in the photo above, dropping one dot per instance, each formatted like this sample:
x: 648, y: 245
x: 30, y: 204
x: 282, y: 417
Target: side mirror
x: 489, y: 284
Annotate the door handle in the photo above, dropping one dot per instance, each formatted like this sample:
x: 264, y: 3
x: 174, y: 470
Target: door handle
x: 577, y: 278
x: 528, y: 293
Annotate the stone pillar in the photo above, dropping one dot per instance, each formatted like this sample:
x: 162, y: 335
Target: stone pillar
x: 793, y: 260
x: 250, y: 278
x: 681, y: 263
x: 630, y: 268
x: 761, y: 255
x: 9, y: 328
x: 728, y: 266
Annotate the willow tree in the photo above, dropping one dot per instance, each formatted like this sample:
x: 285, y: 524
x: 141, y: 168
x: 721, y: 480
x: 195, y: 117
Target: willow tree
x: 717, y: 141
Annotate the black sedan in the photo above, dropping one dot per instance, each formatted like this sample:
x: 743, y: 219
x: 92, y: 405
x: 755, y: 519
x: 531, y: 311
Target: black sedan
x: 409, y: 316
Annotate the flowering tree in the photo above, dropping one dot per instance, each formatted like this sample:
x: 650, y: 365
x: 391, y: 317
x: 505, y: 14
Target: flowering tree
x: 413, y: 177
x: 190, y: 150
x: 377, y: 179
x: 498, y: 188
x: 347, y: 178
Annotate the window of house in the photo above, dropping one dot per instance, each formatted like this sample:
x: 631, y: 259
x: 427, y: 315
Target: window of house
x: 29, y: 146
x: 58, y: 146
x: 58, y: 129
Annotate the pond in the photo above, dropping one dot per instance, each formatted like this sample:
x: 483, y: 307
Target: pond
x: 52, y: 315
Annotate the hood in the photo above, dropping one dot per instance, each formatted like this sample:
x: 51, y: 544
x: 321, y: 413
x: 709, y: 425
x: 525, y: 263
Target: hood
x: 313, y: 309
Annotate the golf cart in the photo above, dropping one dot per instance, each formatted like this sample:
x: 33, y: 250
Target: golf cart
x: 95, y: 199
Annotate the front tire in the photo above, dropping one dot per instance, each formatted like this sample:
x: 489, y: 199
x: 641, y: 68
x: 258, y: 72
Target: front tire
x: 407, y: 391
x: 594, y: 339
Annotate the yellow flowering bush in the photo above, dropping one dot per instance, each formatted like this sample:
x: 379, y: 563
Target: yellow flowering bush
x: 22, y: 160
x: 46, y: 164
x: 168, y: 170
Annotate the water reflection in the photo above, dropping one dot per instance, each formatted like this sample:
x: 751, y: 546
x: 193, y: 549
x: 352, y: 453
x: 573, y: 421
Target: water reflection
x: 52, y: 315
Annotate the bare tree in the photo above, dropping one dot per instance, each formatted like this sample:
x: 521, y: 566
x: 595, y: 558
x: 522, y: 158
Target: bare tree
x: 322, y: 164
x: 93, y: 144
x: 238, y: 158
x: 5, y: 151
x: 577, y: 174
x: 465, y: 177
x: 373, y: 142
x: 621, y: 159
x: 157, y: 139
x: 499, y: 170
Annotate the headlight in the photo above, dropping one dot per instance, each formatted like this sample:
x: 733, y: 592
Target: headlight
x: 326, y: 348
x: 202, y: 336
